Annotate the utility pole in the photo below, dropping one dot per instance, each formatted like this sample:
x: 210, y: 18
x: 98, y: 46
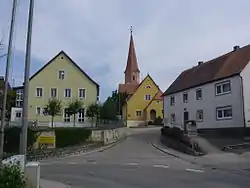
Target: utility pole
x: 8, y: 61
x: 26, y: 82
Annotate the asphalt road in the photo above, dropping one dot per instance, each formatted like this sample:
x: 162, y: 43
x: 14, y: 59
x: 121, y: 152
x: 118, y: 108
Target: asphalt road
x: 134, y: 163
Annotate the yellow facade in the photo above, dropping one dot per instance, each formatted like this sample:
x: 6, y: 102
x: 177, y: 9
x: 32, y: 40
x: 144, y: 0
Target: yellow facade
x: 137, y: 110
x: 47, y: 78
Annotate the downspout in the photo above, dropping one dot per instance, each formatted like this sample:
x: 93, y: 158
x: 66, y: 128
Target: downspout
x: 243, y: 106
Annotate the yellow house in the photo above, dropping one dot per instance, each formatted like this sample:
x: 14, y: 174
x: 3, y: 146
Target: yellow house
x: 63, y: 79
x: 144, y: 102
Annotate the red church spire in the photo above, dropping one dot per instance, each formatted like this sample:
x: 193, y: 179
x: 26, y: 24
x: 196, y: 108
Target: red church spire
x: 132, y: 72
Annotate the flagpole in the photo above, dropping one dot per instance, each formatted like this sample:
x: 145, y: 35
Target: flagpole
x: 6, y: 80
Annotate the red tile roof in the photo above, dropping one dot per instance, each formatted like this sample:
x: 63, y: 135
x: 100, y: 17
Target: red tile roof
x: 227, y: 65
x: 127, y: 88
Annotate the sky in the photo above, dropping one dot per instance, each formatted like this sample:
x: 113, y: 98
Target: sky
x: 170, y: 35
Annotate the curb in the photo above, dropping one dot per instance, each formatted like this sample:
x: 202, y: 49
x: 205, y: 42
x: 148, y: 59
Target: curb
x: 100, y: 149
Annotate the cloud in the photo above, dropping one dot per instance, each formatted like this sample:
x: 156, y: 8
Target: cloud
x: 170, y: 35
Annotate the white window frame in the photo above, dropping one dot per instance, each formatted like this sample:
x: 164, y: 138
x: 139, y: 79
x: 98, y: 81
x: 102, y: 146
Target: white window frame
x: 42, y: 92
x: 196, y: 92
x: 138, y: 113
x: 197, y: 115
x: 172, y: 118
x: 221, y: 87
x: 70, y: 93
x: 223, y: 112
x: 185, y: 101
x: 147, y: 97
x: 41, y: 110
x: 51, y: 92
x: 81, y: 116
x: 66, y: 119
x: 84, y: 93
x: 172, y: 97
x: 59, y: 75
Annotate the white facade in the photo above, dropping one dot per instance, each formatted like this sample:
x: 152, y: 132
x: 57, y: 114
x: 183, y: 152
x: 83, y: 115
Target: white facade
x: 245, y: 75
x: 215, y: 109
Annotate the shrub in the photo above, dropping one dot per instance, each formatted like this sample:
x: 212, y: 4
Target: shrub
x: 11, y: 176
x: 70, y: 136
x: 158, y: 121
x: 150, y: 123
x: 12, y: 139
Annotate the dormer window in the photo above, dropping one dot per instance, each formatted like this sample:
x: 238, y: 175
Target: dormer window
x: 61, y: 74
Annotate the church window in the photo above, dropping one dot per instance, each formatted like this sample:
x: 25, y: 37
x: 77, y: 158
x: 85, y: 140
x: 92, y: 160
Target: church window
x: 133, y: 77
x: 148, y: 86
x: 148, y: 97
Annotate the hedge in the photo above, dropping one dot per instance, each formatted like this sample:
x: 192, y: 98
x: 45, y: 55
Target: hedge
x: 67, y: 136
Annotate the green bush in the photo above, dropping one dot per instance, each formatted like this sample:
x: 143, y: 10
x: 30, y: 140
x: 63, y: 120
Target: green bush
x: 158, y: 121
x: 12, y: 139
x: 11, y: 176
x: 70, y: 136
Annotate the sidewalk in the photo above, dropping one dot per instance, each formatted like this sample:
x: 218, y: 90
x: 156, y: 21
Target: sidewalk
x: 226, y: 161
x: 52, y: 184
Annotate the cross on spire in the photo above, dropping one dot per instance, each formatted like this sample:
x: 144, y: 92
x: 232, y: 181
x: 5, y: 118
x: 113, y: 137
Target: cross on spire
x: 131, y: 29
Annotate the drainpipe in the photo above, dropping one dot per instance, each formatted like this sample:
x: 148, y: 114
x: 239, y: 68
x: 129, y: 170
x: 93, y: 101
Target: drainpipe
x: 243, y: 106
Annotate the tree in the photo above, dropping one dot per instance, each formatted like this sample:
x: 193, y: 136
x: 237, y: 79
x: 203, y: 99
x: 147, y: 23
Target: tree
x: 93, y: 112
x: 74, y: 107
x: 53, y: 108
x: 11, y: 99
x: 108, y: 110
x: 2, y: 54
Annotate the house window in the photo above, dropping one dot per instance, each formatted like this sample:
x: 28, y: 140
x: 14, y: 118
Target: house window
x: 185, y: 97
x: 53, y: 92
x: 199, y: 115
x: 39, y: 92
x: 224, y: 113
x: 172, y: 118
x: 223, y: 88
x: 67, y: 93
x: 61, y: 75
x: 81, y: 93
x: 148, y: 86
x: 133, y: 77
x: 18, y: 114
x: 81, y: 115
x: 19, y: 94
x: 198, y: 94
x: 172, y: 101
x: 147, y: 97
x: 66, y: 115
x: 138, y: 113
x: 38, y: 110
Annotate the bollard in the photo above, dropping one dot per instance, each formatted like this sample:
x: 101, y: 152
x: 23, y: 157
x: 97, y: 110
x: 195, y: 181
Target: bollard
x: 32, y: 173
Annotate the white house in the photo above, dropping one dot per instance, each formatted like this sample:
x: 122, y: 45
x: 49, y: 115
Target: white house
x: 215, y: 93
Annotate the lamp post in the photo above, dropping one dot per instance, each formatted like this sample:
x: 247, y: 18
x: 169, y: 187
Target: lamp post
x: 26, y: 82
x: 8, y: 61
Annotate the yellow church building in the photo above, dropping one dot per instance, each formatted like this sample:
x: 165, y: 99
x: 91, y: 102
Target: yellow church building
x: 144, y: 102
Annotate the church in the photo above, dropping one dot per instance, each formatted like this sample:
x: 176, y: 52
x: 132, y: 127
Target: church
x: 144, y: 102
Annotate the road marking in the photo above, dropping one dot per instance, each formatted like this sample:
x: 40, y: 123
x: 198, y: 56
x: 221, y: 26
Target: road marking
x: 132, y: 164
x: 193, y: 170
x: 72, y: 163
x: 161, y: 166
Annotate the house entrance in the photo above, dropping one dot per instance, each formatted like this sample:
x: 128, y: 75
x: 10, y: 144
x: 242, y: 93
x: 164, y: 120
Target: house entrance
x: 152, y: 115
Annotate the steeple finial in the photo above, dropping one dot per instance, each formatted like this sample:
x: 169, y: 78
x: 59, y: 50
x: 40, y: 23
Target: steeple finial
x: 131, y: 29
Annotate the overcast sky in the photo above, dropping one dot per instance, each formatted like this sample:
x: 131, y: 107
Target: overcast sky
x: 170, y: 35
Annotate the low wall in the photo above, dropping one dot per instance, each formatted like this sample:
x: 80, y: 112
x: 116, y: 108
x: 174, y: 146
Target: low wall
x: 109, y: 135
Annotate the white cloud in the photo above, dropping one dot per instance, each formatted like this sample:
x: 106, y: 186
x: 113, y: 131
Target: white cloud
x: 169, y: 35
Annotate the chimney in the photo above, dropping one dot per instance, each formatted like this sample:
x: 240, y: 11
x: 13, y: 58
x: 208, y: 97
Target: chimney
x: 199, y: 63
x: 236, y: 48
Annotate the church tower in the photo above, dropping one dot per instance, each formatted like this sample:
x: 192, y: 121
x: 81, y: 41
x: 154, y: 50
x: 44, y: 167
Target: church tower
x: 132, y: 72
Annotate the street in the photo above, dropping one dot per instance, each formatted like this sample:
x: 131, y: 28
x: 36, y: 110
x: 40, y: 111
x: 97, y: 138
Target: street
x: 135, y: 163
